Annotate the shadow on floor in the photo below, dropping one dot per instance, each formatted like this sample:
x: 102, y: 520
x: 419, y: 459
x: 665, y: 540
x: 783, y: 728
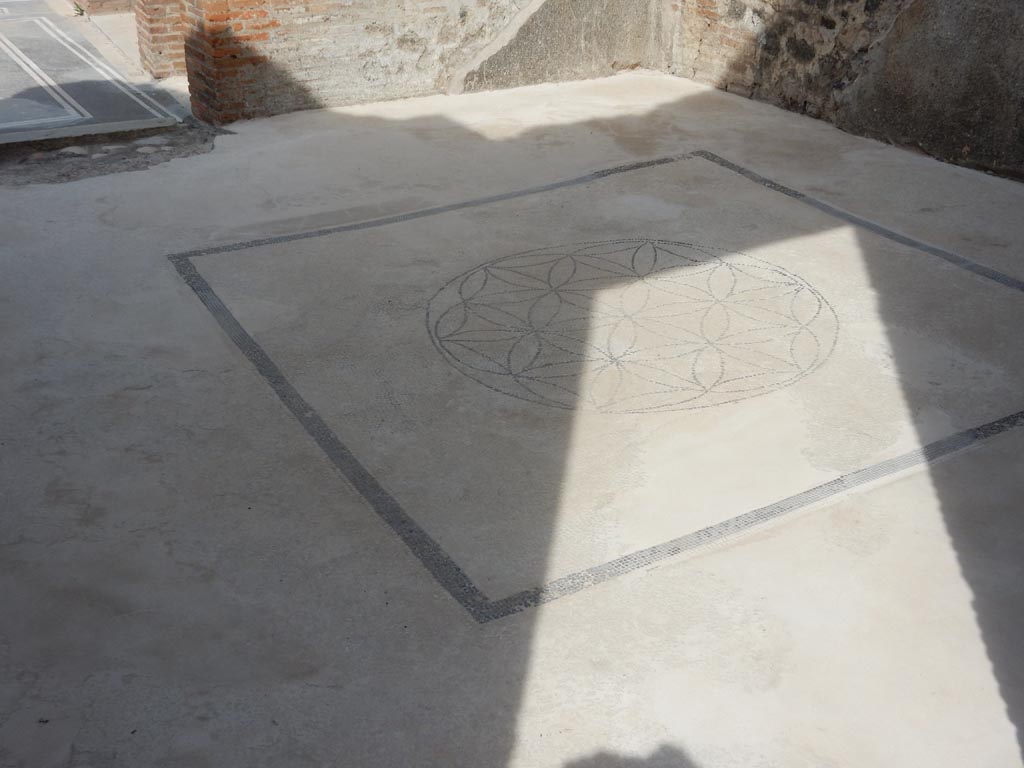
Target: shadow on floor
x: 663, y: 757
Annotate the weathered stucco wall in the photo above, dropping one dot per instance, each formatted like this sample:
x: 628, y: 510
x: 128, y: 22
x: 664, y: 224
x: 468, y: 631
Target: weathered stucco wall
x: 943, y: 75
x: 569, y: 40
x: 948, y: 78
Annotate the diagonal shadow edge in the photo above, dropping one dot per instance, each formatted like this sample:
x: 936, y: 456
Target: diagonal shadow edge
x: 858, y: 221
x: 445, y: 571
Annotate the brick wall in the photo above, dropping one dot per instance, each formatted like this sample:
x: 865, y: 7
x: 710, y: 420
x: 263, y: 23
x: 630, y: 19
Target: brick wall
x: 161, y: 45
x: 227, y: 71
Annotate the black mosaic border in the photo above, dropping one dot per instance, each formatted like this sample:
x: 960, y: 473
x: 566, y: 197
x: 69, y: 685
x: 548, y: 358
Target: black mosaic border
x: 438, y: 563
x: 850, y: 218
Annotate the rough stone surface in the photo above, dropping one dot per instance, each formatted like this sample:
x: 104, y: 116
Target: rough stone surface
x: 799, y: 54
x: 571, y: 40
x: 948, y: 78
x: 155, y: 141
x: 44, y: 162
x: 943, y: 76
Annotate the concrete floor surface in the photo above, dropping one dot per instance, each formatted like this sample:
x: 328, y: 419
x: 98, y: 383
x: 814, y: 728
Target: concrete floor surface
x: 707, y: 462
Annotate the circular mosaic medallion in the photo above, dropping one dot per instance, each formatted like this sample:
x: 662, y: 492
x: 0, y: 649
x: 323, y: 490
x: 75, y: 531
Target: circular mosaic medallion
x: 632, y: 326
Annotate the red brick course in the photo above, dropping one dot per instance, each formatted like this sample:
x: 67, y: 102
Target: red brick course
x: 161, y: 44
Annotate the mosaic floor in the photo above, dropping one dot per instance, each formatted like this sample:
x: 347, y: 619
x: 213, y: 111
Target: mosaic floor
x: 53, y: 83
x: 660, y: 366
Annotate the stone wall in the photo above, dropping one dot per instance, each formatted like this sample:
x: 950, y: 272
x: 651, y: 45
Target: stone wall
x: 943, y: 75
x: 799, y: 54
x: 262, y: 57
x: 568, y: 40
x: 247, y: 58
x: 947, y: 78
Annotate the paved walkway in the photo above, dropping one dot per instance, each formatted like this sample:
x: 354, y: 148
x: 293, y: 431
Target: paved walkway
x: 54, y: 83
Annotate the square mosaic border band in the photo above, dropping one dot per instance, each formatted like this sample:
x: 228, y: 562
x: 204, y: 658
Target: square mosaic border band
x: 441, y: 566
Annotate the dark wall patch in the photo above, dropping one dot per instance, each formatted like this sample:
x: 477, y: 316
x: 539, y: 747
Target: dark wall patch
x: 941, y: 75
x: 800, y: 49
x: 946, y: 79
